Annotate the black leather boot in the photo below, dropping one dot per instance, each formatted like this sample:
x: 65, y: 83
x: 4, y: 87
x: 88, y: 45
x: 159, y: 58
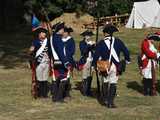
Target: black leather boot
x: 150, y: 87
x: 67, y: 88
x: 111, y: 96
x: 40, y: 87
x: 45, y: 89
x: 105, y: 92
x: 147, y: 86
x: 54, y: 90
x: 61, y: 91
x: 88, y: 86
x: 84, y: 87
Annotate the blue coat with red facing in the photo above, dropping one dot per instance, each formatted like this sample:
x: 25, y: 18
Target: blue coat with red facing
x: 70, y: 50
x: 60, y: 72
x: 37, y: 44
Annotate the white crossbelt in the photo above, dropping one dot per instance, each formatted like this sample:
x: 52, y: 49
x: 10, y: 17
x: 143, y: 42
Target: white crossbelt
x: 55, y: 56
x: 113, y: 52
x: 41, y: 49
x: 65, y: 40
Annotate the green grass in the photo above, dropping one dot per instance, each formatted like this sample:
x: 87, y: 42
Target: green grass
x: 16, y: 102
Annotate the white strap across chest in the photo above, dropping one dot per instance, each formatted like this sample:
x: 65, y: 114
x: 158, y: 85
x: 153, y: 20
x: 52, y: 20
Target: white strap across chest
x: 112, y: 52
x: 41, y: 49
x: 55, y: 56
x: 152, y: 47
x: 65, y: 40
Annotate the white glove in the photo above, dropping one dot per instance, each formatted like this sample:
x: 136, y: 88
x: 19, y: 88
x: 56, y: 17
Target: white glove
x: 158, y: 55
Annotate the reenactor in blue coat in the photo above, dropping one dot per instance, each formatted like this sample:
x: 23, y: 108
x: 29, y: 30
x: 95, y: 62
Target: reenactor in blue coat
x: 61, y: 64
x: 109, y: 49
x: 85, y: 64
x: 40, y: 63
x: 69, y: 52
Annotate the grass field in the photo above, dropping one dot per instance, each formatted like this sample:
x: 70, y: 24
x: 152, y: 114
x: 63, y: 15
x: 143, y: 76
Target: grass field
x: 16, y: 102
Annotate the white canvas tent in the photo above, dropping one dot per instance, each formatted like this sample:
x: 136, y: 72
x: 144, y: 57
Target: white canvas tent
x: 156, y: 22
x: 144, y: 14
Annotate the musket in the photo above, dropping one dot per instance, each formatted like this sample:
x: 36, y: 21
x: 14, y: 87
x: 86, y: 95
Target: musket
x: 49, y: 38
x: 97, y: 76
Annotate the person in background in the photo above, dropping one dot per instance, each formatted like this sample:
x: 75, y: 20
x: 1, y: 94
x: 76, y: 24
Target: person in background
x: 69, y: 51
x: 85, y: 64
x: 149, y: 57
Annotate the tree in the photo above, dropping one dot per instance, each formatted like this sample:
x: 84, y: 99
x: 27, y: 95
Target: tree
x: 110, y: 7
x: 53, y: 8
x: 120, y: 6
x: 11, y: 13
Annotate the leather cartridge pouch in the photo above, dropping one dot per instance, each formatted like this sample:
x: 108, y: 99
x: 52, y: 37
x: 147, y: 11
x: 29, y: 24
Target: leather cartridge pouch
x: 103, y: 65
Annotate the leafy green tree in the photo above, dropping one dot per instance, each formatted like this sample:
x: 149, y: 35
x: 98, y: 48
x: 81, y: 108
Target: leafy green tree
x: 12, y: 11
x: 120, y: 6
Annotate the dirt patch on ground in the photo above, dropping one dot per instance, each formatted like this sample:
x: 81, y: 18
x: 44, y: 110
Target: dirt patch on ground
x: 77, y: 23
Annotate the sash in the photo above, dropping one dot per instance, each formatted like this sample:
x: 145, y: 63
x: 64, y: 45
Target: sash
x: 112, y: 50
x: 41, y: 49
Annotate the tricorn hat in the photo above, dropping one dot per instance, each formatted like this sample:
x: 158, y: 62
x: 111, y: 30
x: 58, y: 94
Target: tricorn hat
x: 153, y: 36
x: 87, y: 33
x: 58, y: 26
x: 110, y: 29
x: 41, y: 29
x: 68, y: 29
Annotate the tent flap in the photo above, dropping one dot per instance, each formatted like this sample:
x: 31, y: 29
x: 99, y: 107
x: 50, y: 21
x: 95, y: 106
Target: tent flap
x: 144, y: 15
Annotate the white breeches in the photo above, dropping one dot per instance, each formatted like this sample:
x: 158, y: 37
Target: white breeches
x: 112, y: 75
x: 147, y: 72
x: 86, y: 72
x: 42, y: 71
